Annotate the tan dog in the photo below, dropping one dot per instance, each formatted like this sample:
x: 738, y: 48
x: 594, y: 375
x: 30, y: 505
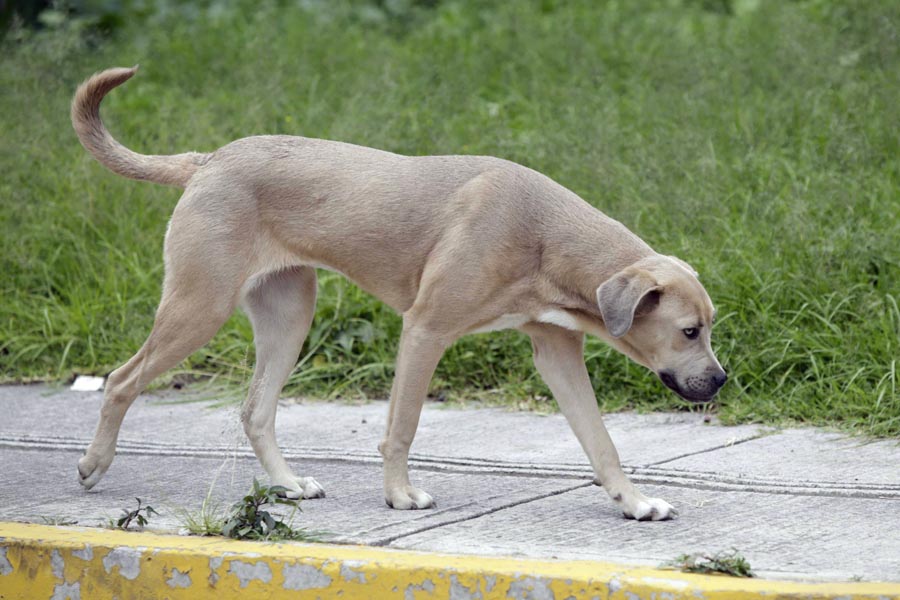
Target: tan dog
x: 456, y: 244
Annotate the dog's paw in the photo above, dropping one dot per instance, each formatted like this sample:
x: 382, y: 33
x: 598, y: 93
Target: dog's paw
x: 91, y: 470
x: 304, y: 488
x: 650, y: 509
x: 408, y: 498
x: 311, y: 488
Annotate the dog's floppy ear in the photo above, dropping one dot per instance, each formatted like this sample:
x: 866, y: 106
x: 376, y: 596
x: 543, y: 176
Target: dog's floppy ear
x: 629, y: 293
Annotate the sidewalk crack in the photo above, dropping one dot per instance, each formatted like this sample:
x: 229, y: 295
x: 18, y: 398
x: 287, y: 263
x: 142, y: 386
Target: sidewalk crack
x: 391, y: 539
x: 752, y: 438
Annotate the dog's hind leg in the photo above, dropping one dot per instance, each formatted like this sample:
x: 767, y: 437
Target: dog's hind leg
x: 201, y: 288
x: 281, y: 308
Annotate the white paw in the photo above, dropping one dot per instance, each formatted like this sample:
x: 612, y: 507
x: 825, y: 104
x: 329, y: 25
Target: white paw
x: 408, y: 498
x: 650, y: 509
x: 301, y: 487
x: 310, y: 487
x: 91, y: 470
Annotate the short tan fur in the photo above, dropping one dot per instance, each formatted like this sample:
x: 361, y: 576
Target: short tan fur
x: 456, y: 244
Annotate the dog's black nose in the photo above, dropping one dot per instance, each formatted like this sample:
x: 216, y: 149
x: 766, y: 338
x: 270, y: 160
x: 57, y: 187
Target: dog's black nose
x: 720, y: 378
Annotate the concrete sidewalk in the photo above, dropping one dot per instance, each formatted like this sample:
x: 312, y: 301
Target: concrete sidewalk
x: 799, y: 504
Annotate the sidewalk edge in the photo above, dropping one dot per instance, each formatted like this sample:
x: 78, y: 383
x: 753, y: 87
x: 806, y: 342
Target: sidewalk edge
x: 39, y: 561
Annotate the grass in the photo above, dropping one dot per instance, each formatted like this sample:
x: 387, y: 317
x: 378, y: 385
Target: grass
x: 248, y: 519
x: 207, y: 521
x: 58, y: 521
x: 724, y: 563
x: 756, y: 140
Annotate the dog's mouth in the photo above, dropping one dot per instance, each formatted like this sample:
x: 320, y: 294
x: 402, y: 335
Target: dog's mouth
x: 670, y: 382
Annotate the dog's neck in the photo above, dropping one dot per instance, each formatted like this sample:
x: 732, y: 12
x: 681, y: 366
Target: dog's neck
x: 581, y: 257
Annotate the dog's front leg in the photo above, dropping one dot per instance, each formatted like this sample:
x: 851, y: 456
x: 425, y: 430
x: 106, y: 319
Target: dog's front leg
x: 419, y: 353
x: 559, y: 358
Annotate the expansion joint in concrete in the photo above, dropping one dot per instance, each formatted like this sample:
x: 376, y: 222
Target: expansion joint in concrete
x: 390, y: 540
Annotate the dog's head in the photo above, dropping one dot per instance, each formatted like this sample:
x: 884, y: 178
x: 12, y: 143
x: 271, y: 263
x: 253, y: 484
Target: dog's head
x: 658, y: 313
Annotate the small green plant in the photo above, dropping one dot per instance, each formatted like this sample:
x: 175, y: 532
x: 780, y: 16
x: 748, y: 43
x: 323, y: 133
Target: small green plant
x: 209, y: 521
x: 250, y: 521
x: 726, y: 563
x: 58, y: 521
x: 129, y: 516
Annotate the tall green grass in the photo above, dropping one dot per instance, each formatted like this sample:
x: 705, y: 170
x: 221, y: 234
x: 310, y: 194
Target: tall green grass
x: 758, y: 142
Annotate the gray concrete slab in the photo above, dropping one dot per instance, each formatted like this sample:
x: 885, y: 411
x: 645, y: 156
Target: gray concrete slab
x: 782, y: 536
x: 39, y: 486
x: 472, y: 435
x: 799, y: 504
x: 803, y: 455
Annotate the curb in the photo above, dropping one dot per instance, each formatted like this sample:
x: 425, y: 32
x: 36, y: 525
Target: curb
x: 38, y: 561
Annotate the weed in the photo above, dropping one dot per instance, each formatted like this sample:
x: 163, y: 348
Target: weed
x: 129, y: 516
x: 208, y: 521
x: 726, y: 563
x: 58, y: 521
x: 250, y: 521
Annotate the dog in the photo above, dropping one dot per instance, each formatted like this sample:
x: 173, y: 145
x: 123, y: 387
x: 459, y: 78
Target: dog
x: 455, y: 244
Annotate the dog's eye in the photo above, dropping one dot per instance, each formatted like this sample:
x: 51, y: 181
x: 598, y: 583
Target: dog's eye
x: 691, y: 333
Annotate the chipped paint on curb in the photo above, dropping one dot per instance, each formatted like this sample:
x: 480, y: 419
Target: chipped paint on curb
x: 179, y: 579
x: 38, y: 561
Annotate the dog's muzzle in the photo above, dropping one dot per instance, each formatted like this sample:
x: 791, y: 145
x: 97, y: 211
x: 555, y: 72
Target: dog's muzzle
x: 695, y: 388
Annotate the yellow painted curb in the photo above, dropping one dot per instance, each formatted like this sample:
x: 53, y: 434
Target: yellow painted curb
x: 38, y: 561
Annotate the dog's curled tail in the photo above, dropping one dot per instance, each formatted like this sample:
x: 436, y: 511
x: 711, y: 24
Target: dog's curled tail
x: 175, y: 169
